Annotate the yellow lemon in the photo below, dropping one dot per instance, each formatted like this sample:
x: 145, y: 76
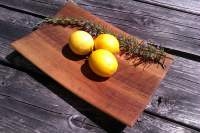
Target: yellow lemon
x: 81, y: 42
x: 103, y: 63
x: 107, y: 41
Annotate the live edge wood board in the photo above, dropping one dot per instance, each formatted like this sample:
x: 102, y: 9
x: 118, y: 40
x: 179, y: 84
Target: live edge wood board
x: 123, y: 96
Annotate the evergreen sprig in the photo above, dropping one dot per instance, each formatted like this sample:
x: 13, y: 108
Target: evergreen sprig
x: 137, y: 51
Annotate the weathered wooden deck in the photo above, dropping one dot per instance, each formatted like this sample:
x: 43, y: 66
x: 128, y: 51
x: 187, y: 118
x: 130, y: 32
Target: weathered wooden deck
x: 32, y: 102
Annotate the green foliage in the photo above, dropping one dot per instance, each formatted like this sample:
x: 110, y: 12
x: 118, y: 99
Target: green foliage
x: 133, y: 49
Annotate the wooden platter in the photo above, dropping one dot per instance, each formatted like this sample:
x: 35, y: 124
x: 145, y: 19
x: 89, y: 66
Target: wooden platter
x: 123, y: 96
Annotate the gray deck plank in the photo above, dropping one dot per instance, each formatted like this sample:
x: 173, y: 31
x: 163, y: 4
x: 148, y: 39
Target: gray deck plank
x: 183, y: 71
x: 169, y: 28
x: 27, y: 105
x: 178, y: 93
x: 189, y: 6
x: 39, y: 7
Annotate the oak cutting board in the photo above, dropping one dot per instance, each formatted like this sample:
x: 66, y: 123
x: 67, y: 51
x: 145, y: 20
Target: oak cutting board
x: 123, y: 96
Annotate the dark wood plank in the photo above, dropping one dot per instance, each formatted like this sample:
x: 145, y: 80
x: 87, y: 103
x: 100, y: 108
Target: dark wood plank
x: 50, y: 42
x: 5, y: 50
x: 31, y: 106
x: 18, y: 61
x: 28, y: 105
x: 147, y: 124
x: 189, y: 6
x: 178, y: 96
x: 180, y: 32
x: 37, y: 7
x: 14, y: 25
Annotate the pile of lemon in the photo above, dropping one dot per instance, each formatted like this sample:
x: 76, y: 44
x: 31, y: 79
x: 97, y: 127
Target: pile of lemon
x: 103, y: 48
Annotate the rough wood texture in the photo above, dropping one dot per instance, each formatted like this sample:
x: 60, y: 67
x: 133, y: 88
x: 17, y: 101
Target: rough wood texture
x: 163, y: 103
x: 188, y: 6
x: 30, y: 106
x: 37, y: 7
x: 179, y: 95
x: 34, y: 103
x: 147, y: 123
x: 120, y: 96
x: 172, y: 29
x: 13, y: 25
x: 169, y: 28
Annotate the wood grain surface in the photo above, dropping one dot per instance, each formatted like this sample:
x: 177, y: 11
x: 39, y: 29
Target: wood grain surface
x: 173, y: 110
x: 32, y: 103
x: 172, y: 29
x: 46, y: 48
x: 187, y: 6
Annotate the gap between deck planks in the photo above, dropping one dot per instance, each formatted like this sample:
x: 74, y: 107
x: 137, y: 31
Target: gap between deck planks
x: 173, y: 29
x: 187, y: 6
x: 12, y: 32
x: 179, y: 70
x: 30, y: 106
